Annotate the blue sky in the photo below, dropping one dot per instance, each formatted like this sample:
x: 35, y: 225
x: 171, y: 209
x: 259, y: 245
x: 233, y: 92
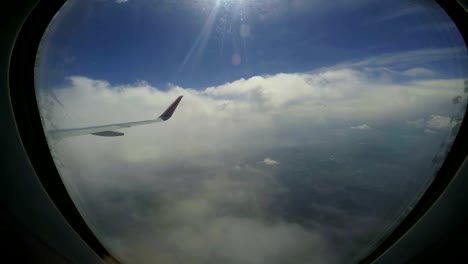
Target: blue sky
x: 192, y: 43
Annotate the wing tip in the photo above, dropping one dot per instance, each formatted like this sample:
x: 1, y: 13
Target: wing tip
x: 171, y: 109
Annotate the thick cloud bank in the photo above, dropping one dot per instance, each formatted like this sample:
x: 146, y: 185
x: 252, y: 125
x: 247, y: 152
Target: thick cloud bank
x: 237, y: 175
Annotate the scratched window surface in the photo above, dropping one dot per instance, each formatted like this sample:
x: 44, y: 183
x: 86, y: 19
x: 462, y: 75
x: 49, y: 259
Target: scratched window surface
x: 307, y: 129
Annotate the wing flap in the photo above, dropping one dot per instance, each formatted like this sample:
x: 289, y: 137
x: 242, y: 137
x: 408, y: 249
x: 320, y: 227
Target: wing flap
x: 108, y: 134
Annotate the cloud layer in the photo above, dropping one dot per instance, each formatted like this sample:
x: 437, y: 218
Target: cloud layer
x: 361, y: 127
x: 192, y: 190
x: 269, y: 161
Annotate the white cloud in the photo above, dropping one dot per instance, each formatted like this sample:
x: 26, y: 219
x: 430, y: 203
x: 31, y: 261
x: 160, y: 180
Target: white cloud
x: 439, y: 122
x: 387, y: 67
x: 243, y: 113
x: 121, y: 1
x: 269, y: 161
x: 402, y: 12
x: 361, y: 127
x: 409, y: 58
x: 416, y: 72
x: 185, y: 165
x: 200, y: 222
x: 438, y: 26
x: 432, y: 123
x: 416, y: 123
x: 277, y: 9
x: 429, y: 131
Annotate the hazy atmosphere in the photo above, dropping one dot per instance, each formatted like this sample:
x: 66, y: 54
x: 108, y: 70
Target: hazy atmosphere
x: 306, y: 131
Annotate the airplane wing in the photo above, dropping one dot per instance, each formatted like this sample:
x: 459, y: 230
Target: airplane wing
x: 109, y: 130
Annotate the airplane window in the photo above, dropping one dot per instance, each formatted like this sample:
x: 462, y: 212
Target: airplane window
x: 306, y: 132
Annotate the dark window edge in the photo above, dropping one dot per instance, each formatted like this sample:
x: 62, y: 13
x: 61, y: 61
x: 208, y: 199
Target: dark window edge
x: 453, y: 161
x: 28, y: 121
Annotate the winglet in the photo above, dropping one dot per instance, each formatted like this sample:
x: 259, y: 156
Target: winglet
x: 170, y: 110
